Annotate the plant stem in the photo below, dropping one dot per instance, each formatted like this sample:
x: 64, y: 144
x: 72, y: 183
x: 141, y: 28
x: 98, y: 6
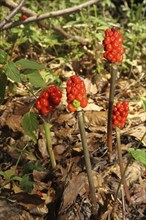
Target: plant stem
x: 87, y: 162
x: 22, y: 151
x: 113, y: 71
x: 122, y: 170
x: 49, y: 143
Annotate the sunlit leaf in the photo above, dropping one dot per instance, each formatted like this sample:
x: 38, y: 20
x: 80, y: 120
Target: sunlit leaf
x: 3, y: 56
x: 36, y: 80
x: 138, y: 154
x: 29, y: 64
x: 12, y: 72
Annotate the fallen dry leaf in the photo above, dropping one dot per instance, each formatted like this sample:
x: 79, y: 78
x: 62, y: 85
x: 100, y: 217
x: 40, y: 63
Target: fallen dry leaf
x: 75, y: 186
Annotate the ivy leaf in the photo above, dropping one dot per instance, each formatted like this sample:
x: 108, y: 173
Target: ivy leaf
x: 30, y: 125
x: 26, y: 183
x: 32, y: 165
x: 12, y: 72
x: 10, y: 174
x: 29, y: 64
x: 3, y: 83
x: 138, y: 154
x: 36, y: 80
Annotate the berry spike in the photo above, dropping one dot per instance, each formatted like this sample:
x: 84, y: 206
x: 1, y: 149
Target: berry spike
x: 113, y: 45
x: 76, y: 93
x: 48, y: 99
x: 120, y: 113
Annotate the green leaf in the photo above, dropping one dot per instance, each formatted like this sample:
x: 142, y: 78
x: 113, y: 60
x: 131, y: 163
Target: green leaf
x: 138, y: 154
x: 30, y: 124
x: 3, y: 83
x: 10, y: 174
x: 26, y: 183
x: 32, y: 165
x: 3, y: 57
x: 29, y: 64
x: 36, y: 80
x: 12, y: 72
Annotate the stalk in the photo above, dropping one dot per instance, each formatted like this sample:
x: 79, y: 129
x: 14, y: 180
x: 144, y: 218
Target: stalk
x: 113, y: 71
x: 122, y: 169
x: 49, y: 143
x: 87, y: 162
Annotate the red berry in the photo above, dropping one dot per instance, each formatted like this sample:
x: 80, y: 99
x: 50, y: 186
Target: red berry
x: 55, y: 100
x: 38, y: 105
x: 84, y: 103
x: 109, y: 47
x: 70, y: 97
x: 74, y: 91
x: 71, y: 107
x: 79, y: 97
x: 107, y: 40
x: 44, y: 102
x: 24, y: 17
x: 45, y: 94
x: 44, y: 110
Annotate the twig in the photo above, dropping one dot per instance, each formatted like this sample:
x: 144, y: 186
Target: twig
x: 50, y: 14
x: 12, y: 14
x: 123, y: 202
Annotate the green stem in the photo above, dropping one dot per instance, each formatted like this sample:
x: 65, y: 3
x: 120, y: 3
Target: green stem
x: 87, y: 162
x: 122, y: 170
x: 113, y: 71
x: 19, y: 158
x: 49, y: 143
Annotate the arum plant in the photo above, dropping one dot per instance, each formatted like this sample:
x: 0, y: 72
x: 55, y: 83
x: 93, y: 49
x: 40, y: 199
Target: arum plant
x: 48, y: 100
x: 114, y: 54
x: 120, y: 113
x: 76, y: 98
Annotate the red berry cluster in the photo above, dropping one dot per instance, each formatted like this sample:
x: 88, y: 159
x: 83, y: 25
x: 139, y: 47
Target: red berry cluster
x: 113, y: 45
x: 120, y: 113
x: 76, y: 93
x: 24, y: 17
x: 48, y: 99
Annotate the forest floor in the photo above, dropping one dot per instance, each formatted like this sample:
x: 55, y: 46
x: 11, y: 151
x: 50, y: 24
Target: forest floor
x: 63, y: 193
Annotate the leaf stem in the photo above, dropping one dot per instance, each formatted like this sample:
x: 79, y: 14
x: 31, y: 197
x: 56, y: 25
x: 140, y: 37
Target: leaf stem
x: 113, y: 71
x: 122, y: 170
x: 49, y: 143
x: 87, y: 162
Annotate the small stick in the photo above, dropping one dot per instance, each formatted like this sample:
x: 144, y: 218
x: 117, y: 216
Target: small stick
x: 123, y: 202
